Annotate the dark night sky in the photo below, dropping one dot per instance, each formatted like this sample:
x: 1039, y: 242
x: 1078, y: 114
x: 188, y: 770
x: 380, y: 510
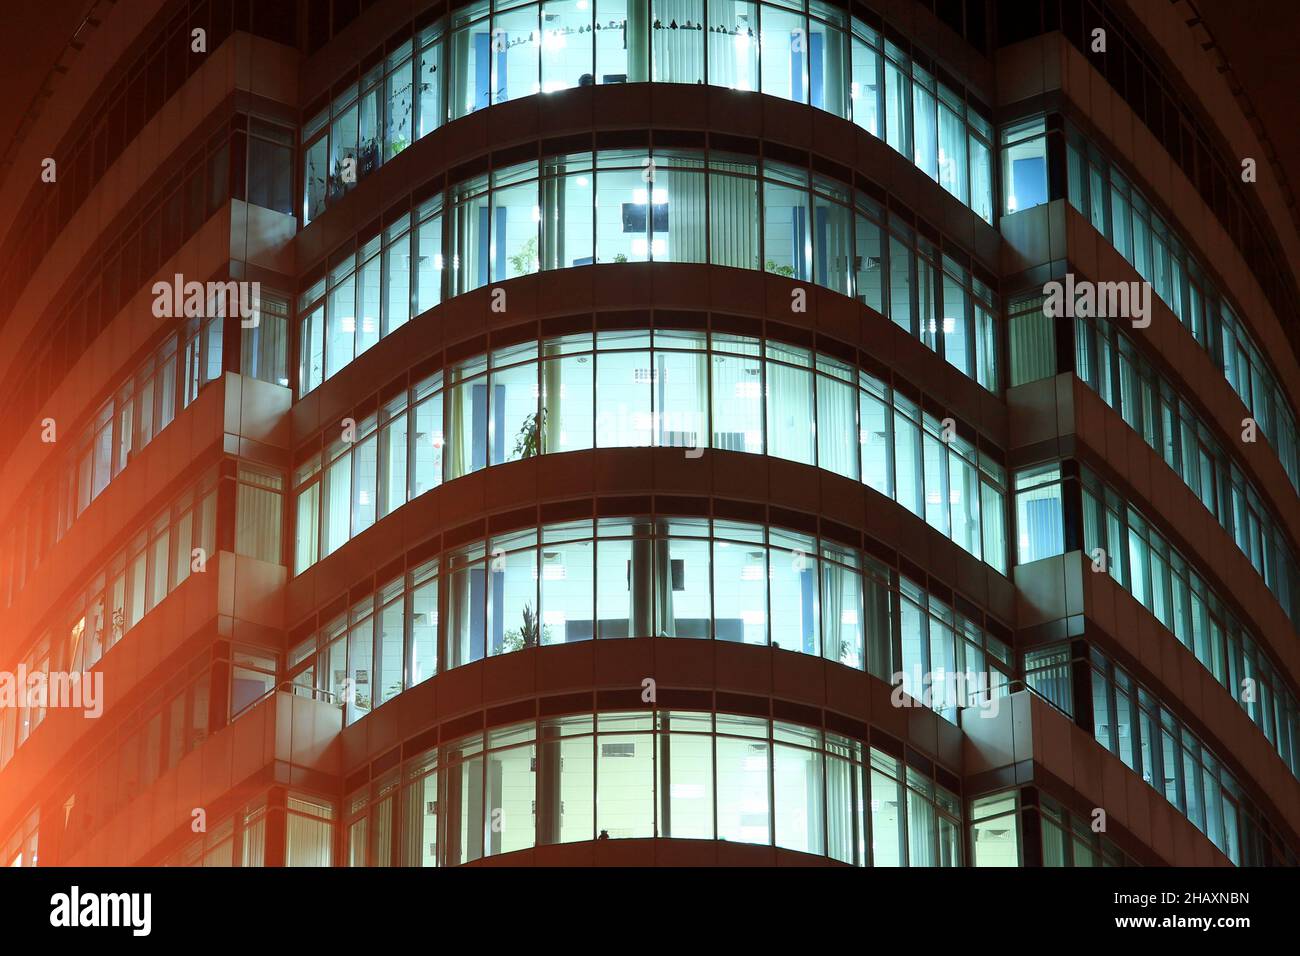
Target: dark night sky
x: 1259, y: 38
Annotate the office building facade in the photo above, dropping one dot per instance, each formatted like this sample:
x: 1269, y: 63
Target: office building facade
x: 647, y: 432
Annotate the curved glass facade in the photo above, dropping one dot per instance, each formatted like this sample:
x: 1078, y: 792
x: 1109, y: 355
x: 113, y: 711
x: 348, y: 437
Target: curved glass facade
x: 619, y: 389
x: 812, y: 53
x: 613, y: 578
x: 644, y: 774
x: 637, y: 205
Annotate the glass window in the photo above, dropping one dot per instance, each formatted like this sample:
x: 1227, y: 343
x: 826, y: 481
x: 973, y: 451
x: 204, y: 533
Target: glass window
x: 511, y: 797
x: 1039, y: 518
x: 466, y: 606
x: 842, y: 608
x: 733, y: 44
x: 1024, y: 165
x: 677, y: 41
x: 828, y: 59
x: 866, y: 87
x: 837, y: 422
x: 566, y: 797
x: 784, y: 59
x: 567, y: 49
x: 513, y: 621
x: 625, y: 776
x: 516, y: 46
x: 738, y: 398
x: 744, y: 805
x: 686, y: 765
x: 952, y: 146
x: 472, y: 54
x: 568, y: 581
x: 925, y: 138
x: 681, y: 395
x: 622, y: 43
x: 995, y: 839
x: 568, y: 398
x: 795, y: 602
x: 430, y: 78
x: 615, y: 558
x: 632, y: 213
x: 515, y: 220
x: 515, y: 427
x: 787, y: 244
x: 790, y: 403
x: 422, y: 655
x: 797, y: 789
x: 740, y: 578
x: 898, y: 106
x: 886, y: 812
x: 624, y: 382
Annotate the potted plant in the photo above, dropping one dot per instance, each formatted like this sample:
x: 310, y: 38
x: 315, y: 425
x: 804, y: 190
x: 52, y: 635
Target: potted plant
x: 528, y: 634
x: 528, y: 441
x: 525, y: 261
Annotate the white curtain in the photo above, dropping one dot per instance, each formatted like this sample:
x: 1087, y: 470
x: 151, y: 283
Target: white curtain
x: 789, y: 412
x: 736, y: 408
x: 837, y: 426
x: 254, y: 852
x: 469, y: 245
x: 835, y: 74
x: 832, y: 614
x: 257, y: 530
x: 686, y: 214
x: 733, y: 221
x: 677, y: 34
x: 733, y: 46
x: 310, y: 842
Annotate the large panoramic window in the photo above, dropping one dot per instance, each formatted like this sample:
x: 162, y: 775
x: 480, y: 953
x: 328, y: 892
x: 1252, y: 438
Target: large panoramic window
x: 809, y: 52
x: 619, y: 389
x: 681, y: 774
x: 668, y: 577
x: 620, y: 206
